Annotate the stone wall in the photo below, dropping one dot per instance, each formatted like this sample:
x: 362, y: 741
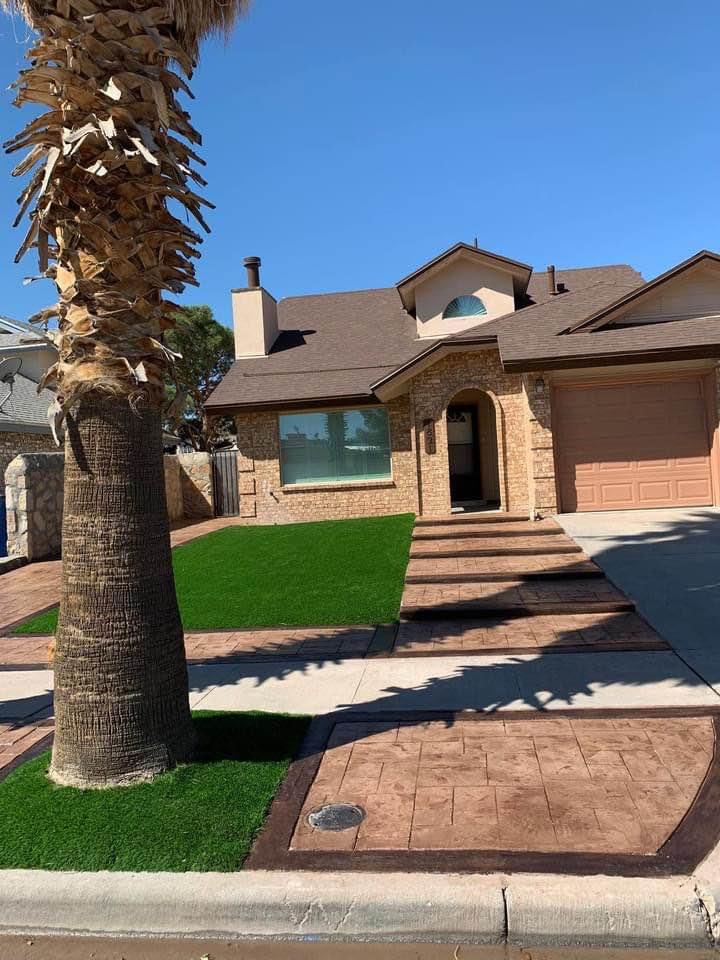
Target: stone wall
x: 12, y: 444
x: 263, y: 498
x: 173, y: 489
x: 196, y: 482
x: 34, y: 501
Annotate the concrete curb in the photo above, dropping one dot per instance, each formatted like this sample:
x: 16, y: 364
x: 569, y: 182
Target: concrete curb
x: 551, y: 910
x: 530, y: 909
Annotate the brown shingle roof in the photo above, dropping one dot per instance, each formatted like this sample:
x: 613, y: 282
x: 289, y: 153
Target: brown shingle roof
x: 334, y: 347
x: 330, y: 346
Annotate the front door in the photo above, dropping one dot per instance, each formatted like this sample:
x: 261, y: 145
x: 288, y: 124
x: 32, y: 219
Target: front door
x: 463, y: 453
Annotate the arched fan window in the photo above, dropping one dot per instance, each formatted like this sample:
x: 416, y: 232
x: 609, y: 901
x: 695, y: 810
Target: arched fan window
x: 465, y: 306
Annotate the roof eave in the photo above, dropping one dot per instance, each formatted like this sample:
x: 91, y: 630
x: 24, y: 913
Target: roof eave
x: 300, y: 403
x: 529, y: 364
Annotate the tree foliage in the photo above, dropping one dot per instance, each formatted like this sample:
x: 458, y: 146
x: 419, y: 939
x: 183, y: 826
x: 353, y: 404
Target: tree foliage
x: 206, y: 351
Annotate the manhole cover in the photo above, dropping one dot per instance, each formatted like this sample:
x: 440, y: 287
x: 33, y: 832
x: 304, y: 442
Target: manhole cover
x: 336, y: 816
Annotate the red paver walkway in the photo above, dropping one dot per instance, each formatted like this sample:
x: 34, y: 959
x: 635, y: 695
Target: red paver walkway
x: 226, y: 646
x: 36, y: 587
x: 560, y: 785
x: 484, y: 584
x: 16, y: 739
x: 580, y: 631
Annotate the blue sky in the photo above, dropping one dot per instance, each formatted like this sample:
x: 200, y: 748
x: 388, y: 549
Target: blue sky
x: 347, y: 143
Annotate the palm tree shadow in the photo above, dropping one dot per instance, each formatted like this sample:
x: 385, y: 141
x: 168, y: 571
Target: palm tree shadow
x: 532, y: 681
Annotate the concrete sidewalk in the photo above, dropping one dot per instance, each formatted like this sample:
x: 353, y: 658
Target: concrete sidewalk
x: 527, y: 682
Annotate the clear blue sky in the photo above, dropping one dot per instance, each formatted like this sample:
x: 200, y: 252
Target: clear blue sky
x: 349, y: 142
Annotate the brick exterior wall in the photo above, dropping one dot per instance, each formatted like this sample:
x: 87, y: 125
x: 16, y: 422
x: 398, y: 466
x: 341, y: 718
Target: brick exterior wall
x: 541, y: 455
x: 11, y: 444
x: 263, y: 499
x: 434, y: 389
x: 421, y: 479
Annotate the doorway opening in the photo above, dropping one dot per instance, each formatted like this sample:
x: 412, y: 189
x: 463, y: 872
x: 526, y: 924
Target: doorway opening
x: 473, y: 452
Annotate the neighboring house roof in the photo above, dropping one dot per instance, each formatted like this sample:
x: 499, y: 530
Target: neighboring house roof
x: 25, y: 410
x: 20, y: 332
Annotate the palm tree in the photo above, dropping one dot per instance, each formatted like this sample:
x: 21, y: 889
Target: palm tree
x: 111, y: 163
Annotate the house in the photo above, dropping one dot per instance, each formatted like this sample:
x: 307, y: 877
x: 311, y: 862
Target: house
x: 477, y: 382
x: 24, y: 426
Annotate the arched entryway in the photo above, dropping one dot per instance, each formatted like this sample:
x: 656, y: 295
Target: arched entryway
x: 472, y: 436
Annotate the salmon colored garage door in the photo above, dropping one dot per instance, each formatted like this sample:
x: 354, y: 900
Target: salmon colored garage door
x: 632, y: 444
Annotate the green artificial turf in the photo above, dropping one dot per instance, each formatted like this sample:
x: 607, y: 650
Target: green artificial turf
x: 202, y: 816
x: 302, y: 574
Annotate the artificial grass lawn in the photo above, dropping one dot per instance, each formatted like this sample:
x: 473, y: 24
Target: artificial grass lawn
x: 302, y: 575
x: 202, y: 816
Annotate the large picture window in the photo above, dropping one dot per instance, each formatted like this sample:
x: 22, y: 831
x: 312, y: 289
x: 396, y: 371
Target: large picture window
x: 335, y: 446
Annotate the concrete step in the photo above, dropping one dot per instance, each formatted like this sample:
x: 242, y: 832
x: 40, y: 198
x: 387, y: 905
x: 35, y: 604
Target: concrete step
x: 418, y: 553
x: 506, y: 532
x: 480, y: 518
x: 479, y: 609
x: 580, y: 571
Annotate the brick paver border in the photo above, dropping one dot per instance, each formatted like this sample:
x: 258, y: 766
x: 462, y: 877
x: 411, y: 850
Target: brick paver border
x: 23, y: 740
x: 693, y: 838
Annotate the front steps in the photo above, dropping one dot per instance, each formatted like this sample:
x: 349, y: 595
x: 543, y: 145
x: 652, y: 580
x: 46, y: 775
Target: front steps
x: 477, y: 570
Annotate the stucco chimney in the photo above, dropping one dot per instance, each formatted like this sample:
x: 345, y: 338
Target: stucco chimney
x: 254, y: 315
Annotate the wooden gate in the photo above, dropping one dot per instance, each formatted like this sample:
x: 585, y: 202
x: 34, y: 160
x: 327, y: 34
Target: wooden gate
x: 225, y: 483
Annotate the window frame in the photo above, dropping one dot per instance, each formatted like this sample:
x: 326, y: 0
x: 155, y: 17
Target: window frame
x: 464, y: 316
x: 340, y: 481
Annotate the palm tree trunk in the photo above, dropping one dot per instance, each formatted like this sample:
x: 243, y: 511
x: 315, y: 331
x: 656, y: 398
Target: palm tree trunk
x: 121, y: 694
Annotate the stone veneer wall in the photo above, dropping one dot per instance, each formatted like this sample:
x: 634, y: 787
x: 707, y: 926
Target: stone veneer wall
x: 34, y: 498
x: 34, y: 501
x: 434, y: 388
x: 196, y: 482
x: 263, y: 499
x: 11, y: 444
x: 173, y: 489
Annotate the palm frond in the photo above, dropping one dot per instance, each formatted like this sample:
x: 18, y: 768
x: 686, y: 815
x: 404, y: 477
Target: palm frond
x: 192, y: 19
x: 195, y: 19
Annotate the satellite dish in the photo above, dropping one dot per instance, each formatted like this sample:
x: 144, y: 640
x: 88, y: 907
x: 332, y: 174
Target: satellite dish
x: 8, y: 368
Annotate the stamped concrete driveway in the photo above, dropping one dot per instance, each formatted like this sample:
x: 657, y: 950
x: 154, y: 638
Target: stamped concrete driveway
x: 668, y: 562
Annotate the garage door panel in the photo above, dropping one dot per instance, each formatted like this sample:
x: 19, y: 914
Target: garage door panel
x: 692, y: 489
x: 633, y: 445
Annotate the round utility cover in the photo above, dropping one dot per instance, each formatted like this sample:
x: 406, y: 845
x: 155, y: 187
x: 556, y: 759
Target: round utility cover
x: 336, y: 817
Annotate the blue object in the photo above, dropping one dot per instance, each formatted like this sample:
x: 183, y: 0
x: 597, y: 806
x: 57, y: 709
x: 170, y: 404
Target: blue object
x: 465, y: 306
x: 3, y: 526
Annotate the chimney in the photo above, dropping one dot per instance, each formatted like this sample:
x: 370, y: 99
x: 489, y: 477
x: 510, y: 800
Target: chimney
x: 252, y: 265
x: 254, y: 315
x: 552, y: 289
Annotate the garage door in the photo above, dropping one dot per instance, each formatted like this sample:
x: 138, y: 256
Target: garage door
x: 631, y: 445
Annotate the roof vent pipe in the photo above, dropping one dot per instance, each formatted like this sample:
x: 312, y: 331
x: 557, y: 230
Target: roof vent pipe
x: 252, y: 265
x: 552, y: 289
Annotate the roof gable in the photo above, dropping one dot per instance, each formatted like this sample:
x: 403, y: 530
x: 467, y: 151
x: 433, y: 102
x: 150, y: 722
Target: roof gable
x: 689, y: 291
x: 520, y: 272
